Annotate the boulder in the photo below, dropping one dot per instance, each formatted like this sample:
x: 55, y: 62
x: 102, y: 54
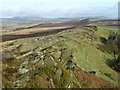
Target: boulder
x: 39, y: 64
x: 23, y: 70
x: 93, y: 72
x: 24, y: 55
x: 58, y: 74
x: 49, y: 61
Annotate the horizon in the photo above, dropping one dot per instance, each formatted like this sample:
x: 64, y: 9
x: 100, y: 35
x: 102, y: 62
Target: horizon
x: 59, y: 9
x: 59, y: 17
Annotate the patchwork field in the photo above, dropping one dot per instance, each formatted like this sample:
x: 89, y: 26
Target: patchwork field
x: 25, y: 31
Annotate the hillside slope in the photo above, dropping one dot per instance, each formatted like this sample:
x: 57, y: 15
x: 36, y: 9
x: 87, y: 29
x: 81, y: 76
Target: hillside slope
x: 69, y: 59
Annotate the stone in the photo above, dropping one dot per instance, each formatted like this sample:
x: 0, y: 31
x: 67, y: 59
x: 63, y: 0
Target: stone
x: 103, y: 40
x: 107, y: 74
x: 24, y: 55
x: 49, y: 62
x: 17, y: 49
x: 58, y: 74
x: 29, y: 46
x: 23, y: 70
x: 38, y: 49
x: 92, y: 72
x: 57, y: 54
x: 36, y: 60
x: 26, y: 62
x: 39, y: 64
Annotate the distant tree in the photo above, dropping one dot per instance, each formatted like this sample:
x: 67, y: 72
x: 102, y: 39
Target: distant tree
x: 113, y: 44
x: 112, y: 47
x: 118, y: 43
x: 116, y: 66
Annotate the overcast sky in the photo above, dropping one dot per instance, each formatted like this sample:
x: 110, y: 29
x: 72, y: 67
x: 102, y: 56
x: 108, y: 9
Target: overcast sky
x: 59, y: 8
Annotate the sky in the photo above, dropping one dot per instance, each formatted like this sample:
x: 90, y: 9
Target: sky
x: 59, y: 8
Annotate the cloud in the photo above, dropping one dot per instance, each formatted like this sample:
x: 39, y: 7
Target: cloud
x: 7, y: 1
x: 63, y: 12
x: 59, y: 8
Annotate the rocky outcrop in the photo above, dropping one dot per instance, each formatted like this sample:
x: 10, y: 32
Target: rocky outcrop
x: 54, y: 61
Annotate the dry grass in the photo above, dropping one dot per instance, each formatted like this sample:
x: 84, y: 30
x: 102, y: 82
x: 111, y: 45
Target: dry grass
x: 35, y: 30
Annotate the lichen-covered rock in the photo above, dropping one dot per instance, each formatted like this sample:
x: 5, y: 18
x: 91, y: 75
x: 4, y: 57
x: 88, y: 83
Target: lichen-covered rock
x: 24, y: 55
x: 58, y: 74
x: 23, y: 70
x: 39, y: 64
x: 28, y: 47
x: 49, y: 61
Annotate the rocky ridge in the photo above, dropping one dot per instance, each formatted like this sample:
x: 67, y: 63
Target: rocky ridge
x: 52, y: 62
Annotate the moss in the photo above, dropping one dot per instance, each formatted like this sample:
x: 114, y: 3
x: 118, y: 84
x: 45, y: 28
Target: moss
x: 47, y: 71
x: 38, y: 81
x: 65, y: 78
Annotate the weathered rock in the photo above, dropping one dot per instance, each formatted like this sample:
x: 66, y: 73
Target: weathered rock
x: 103, y: 40
x: 67, y: 60
x: 24, y: 55
x: 69, y: 64
x: 10, y: 44
x: 57, y: 54
x: 23, y: 70
x: 17, y: 49
x: 28, y: 46
x: 107, y: 74
x: 52, y: 84
x: 25, y: 63
x: 58, y: 74
x: 49, y: 61
x: 39, y: 63
x: 93, y: 72
x: 36, y: 61
x: 38, y: 49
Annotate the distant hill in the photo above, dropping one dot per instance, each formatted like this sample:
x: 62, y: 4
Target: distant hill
x: 26, y: 20
x: 91, y: 18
